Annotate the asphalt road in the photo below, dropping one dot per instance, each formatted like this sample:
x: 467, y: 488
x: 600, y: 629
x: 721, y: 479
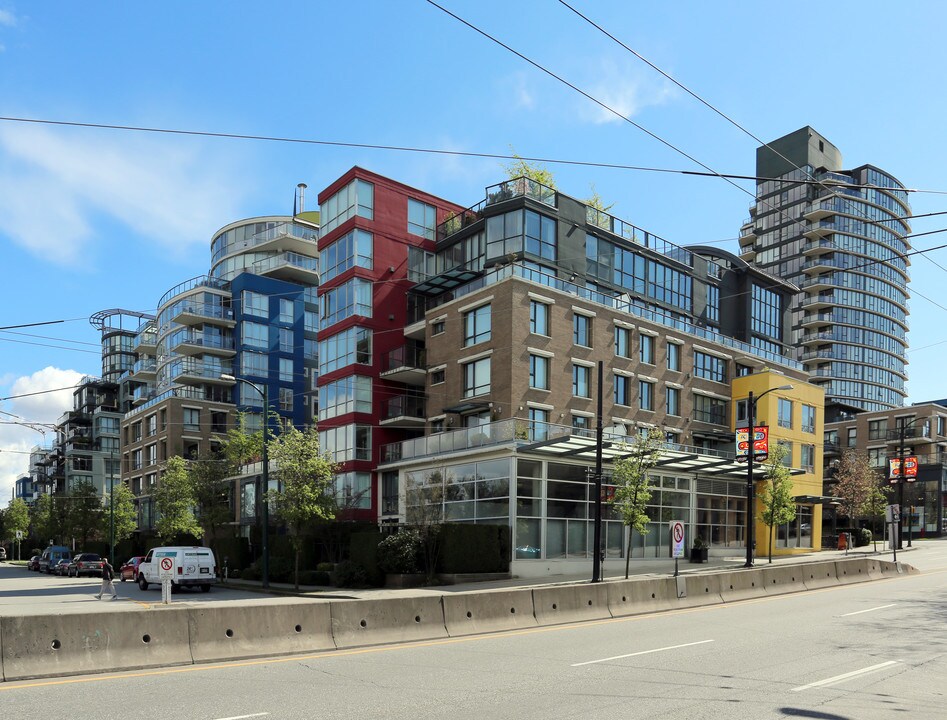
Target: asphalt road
x: 856, y: 652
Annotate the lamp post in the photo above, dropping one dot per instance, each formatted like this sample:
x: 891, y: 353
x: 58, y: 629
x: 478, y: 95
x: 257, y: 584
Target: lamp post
x: 902, y: 479
x: 265, y: 510
x: 751, y: 434
x: 112, y: 507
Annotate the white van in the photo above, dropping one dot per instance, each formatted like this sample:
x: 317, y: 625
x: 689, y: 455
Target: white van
x: 190, y: 567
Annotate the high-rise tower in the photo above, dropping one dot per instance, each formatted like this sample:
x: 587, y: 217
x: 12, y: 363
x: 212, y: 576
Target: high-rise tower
x: 840, y: 236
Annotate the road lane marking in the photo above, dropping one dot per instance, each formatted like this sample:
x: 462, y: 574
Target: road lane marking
x: 845, y: 676
x: 859, y: 612
x: 243, y: 717
x: 643, y: 652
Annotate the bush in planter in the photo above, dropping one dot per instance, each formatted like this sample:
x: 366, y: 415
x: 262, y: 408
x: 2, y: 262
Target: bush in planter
x: 251, y: 573
x: 349, y: 574
x: 325, y: 567
x: 398, y: 553
x: 862, y: 537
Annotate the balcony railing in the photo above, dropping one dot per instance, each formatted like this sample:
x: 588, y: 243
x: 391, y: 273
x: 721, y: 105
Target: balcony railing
x: 406, y: 356
x: 188, y: 393
x: 521, y: 187
x: 287, y: 259
x: 409, y: 406
x: 192, y: 284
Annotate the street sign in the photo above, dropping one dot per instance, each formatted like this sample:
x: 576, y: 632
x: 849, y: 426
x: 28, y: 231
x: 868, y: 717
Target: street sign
x: 760, y: 443
x: 19, y: 534
x: 677, y: 539
x: 893, y: 514
x: 166, y: 568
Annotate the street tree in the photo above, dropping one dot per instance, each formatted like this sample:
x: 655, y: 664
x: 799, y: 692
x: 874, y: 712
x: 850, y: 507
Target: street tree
x: 241, y: 444
x: 16, y: 518
x: 855, y: 478
x: 122, y: 508
x: 175, y: 502
x: 84, y: 512
x: 633, y: 484
x: 424, y: 511
x: 776, y: 498
x: 208, y: 478
x: 874, y: 508
x: 306, y: 478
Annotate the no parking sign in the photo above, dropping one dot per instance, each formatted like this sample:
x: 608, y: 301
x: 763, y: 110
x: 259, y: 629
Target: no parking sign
x: 677, y: 539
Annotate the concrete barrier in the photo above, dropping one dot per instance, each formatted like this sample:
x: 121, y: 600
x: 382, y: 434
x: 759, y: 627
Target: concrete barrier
x: 742, y: 585
x: 817, y: 575
x: 50, y: 645
x: 634, y: 597
x: 376, y: 622
x: 470, y: 613
x: 853, y: 570
x: 779, y: 579
x: 701, y: 590
x: 874, y: 569
x: 244, y: 631
x: 570, y: 603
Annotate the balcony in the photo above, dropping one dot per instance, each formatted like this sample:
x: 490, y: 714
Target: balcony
x: 198, y: 373
x: 811, y: 319
x: 830, y: 448
x: 187, y: 393
x: 820, y: 355
x: 820, y: 229
x: 142, y: 394
x: 817, y: 301
x: 144, y: 369
x: 146, y: 341
x: 748, y: 235
x: 405, y: 364
x: 197, y: 343
x: 818, y: 247
x: 290, y: 266
x: 404, y: 411
x: 198, y: 313
x: 195, y: 283
x: 818, y: 211
x: 919, y: 432
x: 288, y: 236
x: 818, y: 338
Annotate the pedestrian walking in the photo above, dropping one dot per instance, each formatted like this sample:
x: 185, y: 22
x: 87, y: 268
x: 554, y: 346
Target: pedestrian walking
x: 107, y: 585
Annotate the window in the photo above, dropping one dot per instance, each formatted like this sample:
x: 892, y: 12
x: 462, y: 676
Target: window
x: 252, y: 363
x: 784, y: 413
x: 346, y: 443
x: 353, y: 249
x: 353, y: 297
x: 437, y: 327
x: 136, y: 459
x: 437, y: 376
x: 766, y: 313
x: 286, y: 369
x: 477, y: 325
x: 646, y: 351
x: 581, y: 381
x: 710, y: 410
x: 538, y: 318
x: 710, y: 367
x: 422, y: 219
x: 674, y: 357
x: 878, y: 457
x: 742, y: 416
x: 673, y: 401
x: 540, y: 235
x: 646, y: 395
x: 255, y: 304
x: 538, y: 424
x: 311, y: 321
x: 582, y: 330
x: 192, y: 419
x: 477, y: 378
x: 538, y: 372
x: 354, y: 490
x: 255, y: 335
x: 437, y: 426
x: 285, y: 340
x: 151, y: 454
x: 622, y: 390
x: 286, y: 311
x: 286, y: 399
x: 622, y: 342
x: 110, y: 425
x: 345, y: 348
x: 310, y: 349
x: 151, y: 425
x: 878, y: 429
x: 852, y: 437
x: 356, y: 198
x: 743, y: 370
x: 807, y: 457
x: 808, y: 419
x: 136, y: 431
x: 582, y: 425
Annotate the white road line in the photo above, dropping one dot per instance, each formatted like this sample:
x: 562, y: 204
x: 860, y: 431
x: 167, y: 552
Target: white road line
x: 643, y: 652
x: 859, y: 612
x: 846, y: 676
x: 242, y: 717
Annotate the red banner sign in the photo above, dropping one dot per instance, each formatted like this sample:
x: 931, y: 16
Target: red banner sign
x: 910, y: 469
x: 760, y: 443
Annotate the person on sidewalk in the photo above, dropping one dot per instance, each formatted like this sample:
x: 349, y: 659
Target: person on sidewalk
x: 107, y: 585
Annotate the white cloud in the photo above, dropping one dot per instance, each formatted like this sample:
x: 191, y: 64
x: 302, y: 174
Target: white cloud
x: 46, y: 408
x: 7, y: 18
x: 168, y: 190
x: 624, y: 88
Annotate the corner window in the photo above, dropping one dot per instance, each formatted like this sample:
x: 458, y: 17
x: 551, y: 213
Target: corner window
x: 477, y: 378
x: 422, y: 219
x: 477, y: 325
x: 538, y: 372
x: 538, y: 318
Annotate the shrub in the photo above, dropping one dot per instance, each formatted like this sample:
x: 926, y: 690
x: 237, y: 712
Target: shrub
x: 363, y: 549
x: 251, y: 573
x: 349, y: 574
x: 314, y: 577
x: 862, y: 537
x: 234, y: 574
x: 398, y: 553
x: 326, y: 567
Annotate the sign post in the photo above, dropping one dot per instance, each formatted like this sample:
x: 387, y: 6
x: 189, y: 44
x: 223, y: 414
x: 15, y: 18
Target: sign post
x: 165, y: 573
x: 676, y: 529
x: 19, y: 537
x: 892, y: 520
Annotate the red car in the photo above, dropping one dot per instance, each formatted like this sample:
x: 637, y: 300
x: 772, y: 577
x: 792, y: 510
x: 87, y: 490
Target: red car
x: 129, y: 571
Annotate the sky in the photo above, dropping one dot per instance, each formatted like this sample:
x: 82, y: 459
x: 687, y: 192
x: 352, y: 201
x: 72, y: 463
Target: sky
x: 92, y: 219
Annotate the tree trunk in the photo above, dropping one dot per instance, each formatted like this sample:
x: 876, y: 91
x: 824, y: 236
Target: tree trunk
x: 296, y: 568
x: 628, y: 553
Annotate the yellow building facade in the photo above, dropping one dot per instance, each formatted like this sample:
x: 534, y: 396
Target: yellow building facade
x: 795, y: 420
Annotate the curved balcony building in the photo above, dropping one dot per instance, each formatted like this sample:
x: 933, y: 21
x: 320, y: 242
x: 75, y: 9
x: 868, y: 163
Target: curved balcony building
x: 840, y: 236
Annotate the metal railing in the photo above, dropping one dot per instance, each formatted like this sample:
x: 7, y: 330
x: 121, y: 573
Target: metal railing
x: 410, y: 356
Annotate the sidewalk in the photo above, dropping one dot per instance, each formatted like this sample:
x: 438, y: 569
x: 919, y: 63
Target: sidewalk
x: 612, y: 572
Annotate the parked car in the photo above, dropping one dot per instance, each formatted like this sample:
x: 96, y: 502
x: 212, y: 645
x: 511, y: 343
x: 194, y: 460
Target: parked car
x: 33, y: 563
x: 129, y: 571
x: 85, y: 564
x: 190, y: 567
x: 51, y: 557
x: 61, y: 568
x: 3, y: 553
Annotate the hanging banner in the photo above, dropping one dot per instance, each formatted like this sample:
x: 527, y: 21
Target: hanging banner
x: 910, y: 469
x: 760, y: 443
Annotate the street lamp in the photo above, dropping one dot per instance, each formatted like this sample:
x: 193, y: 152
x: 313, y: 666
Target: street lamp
x: 750, y: 511
x: 902, y: 479
x: 265, y: 510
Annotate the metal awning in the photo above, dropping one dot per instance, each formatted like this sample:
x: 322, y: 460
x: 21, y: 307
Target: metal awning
x: 673, y: 458
x: 447, y: 280
x: 466, y: 408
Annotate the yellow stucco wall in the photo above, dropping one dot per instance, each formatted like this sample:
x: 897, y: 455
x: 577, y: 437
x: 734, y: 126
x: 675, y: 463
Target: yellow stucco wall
x: 808, y: 483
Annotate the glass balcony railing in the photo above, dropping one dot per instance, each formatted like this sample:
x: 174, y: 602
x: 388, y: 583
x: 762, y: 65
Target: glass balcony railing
x: 287, y: 259
x: 182, y: 392
x: 149, y: 365
x: 201, y: 281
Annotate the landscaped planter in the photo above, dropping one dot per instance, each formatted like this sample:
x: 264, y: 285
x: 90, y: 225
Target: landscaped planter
x: 699, y: 555
x: 405, y: 580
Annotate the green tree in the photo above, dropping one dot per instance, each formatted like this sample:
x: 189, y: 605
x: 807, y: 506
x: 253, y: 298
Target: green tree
x: 596, y: 210
x: 874, y: 508
x: 633, y: 484
x: 779, y: 507
x: 855, y: 478
x: 16, y: 518
x: 424, y: 511
x: 534, y: 171
x: 124, y: 516
x: 175, y: 502
x: 306, y: 478
x: 84, y: 512
x: 242, y: 446
x: 208, y: 477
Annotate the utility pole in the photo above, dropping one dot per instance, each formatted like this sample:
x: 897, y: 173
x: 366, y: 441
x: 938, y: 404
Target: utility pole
x: 597, y: 535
